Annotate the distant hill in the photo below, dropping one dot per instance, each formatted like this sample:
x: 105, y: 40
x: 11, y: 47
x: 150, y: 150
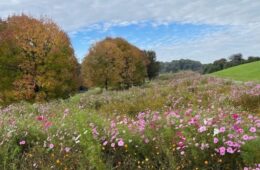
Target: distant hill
x: 244, y: 72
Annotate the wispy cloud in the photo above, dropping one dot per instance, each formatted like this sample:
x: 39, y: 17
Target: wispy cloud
x: 241, y: 20
x: 80, y: 13
x: 244, y: 39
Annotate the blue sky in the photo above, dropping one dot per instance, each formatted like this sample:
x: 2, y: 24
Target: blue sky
x: 146, y: 35
x: 201, y: 30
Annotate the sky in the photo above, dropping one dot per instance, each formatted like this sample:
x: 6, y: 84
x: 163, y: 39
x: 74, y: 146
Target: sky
x: 203, y: 30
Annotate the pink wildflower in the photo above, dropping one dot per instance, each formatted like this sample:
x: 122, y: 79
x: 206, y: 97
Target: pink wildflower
x: 22, y: 142
x: 40, y: 118
x: 67, y: 149
x: 215, y: 140
x: 105, y: 143
x: 180, y: 144
x: 202, y: 129
x: 120, y: 143
x: 174, y: 114
x: 235, y: 116
x: 51, y: 146
x: 112, y: 145
x: 230, y: 136
x: 47, y: 124
x: 240, y: 130
x: 222, y: 129
x: 188, y: 112
x: 252, y: 129
x: 230, y: 150
x: 192, y: 121
x: 229, y: 143
x: 222, y: 150
x: 113, y: 124
x: 245, y: 137
x: 95, y: 132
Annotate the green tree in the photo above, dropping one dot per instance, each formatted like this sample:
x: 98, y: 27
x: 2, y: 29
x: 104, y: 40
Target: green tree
x: 153, y: 66
x: 179, y: 65
x: 236, y: 59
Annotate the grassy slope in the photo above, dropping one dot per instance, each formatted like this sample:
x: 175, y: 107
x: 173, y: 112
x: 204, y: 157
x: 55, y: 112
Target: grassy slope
x: 245, y: 72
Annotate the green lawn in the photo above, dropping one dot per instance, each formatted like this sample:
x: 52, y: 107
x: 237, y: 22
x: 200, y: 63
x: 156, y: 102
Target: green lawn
x: 245, y: 72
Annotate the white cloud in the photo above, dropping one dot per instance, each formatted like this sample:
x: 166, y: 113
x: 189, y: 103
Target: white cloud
x: 75, y: 15
x: 238, y: 39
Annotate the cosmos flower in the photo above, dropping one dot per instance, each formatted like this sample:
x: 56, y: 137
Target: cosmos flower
x: 22, y: 142
x: 51, y: 146
x: 112, y: 145
x: 245, y: 137
x: 222, y: 150
x: 67, y: 149
x: 215, y: 140
x: 105, y: 143
x: 252, y: 129
x: 222, y: 129
x: 202, y: 129
x: 120, y: 142
x: 230, y: 150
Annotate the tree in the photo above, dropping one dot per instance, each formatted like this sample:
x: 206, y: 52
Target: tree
x: 41, y: 56
x: 179, y: 65
x: 220, y: 64
x: 153, y: 66
x: 236, y: 59
x: 9, y: 70
x: 252, y: 59
x: 100, y: 67
x: 114, y: 63
x: 134, y: 63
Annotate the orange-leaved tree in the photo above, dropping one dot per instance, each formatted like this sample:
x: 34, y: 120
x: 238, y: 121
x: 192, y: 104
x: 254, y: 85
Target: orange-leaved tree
x: 40, y: 56
x: 114, y: 63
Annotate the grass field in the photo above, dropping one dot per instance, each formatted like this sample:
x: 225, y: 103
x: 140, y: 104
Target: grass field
x: 244, y: 72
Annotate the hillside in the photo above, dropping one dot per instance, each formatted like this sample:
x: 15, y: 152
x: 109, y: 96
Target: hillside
x: 245, y: 72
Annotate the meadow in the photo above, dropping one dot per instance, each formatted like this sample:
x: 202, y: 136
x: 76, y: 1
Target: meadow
x: 244, y: 72
x: 178, y: 121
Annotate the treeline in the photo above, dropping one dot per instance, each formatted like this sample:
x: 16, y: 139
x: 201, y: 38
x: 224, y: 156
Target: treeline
x: 180, y: 65
x: 37, y: 62
x: 233, y: 60
x: 185, y: 64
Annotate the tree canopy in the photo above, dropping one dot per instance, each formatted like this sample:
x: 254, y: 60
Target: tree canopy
x: 114, y: 63
x: 153, y: 66
x: 37, y: 60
